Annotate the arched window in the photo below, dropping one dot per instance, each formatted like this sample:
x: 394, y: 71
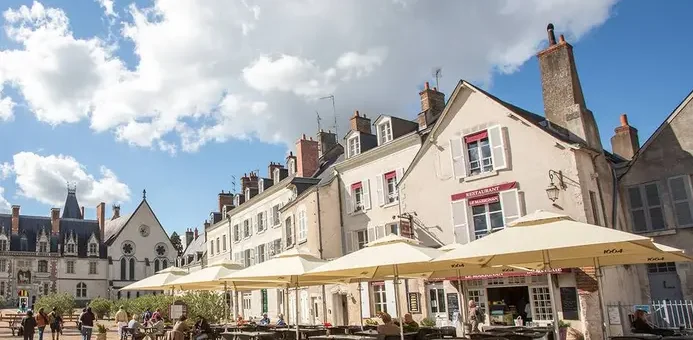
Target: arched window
x: 165, y: 264
x: 123, y: 269
x: 156, y: 265
x: 81, y: 290
x: 132, y: 269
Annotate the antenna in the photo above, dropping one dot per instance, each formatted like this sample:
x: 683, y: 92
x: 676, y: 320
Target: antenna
x: 438, y: 73
x: 334, y: 111
x: 317, y: 114
x: 233, y: 183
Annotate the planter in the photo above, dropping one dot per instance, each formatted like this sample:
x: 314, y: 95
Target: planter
x: 562, y: 333
x: 101, y: 336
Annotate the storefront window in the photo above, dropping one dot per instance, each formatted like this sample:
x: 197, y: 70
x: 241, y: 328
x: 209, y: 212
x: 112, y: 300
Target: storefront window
x: 487, y: 218
x: 541, y: 299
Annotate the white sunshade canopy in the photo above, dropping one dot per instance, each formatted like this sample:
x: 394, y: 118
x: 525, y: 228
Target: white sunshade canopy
x: 287, y: 268
x: 157, y: 281
x: 207, y: 278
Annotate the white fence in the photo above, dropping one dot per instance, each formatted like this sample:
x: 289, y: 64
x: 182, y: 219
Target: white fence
x: 672, y: 314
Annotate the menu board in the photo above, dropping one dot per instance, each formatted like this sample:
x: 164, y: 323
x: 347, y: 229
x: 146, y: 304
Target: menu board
x: 453, y: 305
x: 414, y: 306
x: 569, y: 303
x: 177, y: 309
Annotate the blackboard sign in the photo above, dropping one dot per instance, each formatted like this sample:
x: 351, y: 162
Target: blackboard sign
x: 453, y: 305
x: 414, y: 306
x: 569, y: 303
x: 263, y: 293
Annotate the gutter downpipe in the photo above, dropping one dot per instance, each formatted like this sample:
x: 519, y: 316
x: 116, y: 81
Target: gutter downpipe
x: 598, y: 270
x: 324, y: 296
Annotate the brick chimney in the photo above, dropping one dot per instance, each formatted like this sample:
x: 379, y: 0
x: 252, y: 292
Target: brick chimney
x: 116, y: 212
x: 15, y: 219
x: 101, y: 218
x: 625, y: 142
x: 249, y: 181
x: 82, y: 212
x: 360, y: 123
x: 270, y: 169
x: 196, y: 232
x: 55, y: 221
x: 306, y: 156
x: 564, y: 102
x: 326, y: 141
x: 432, y: 105
x: 225, y: 198
x: 189, y: 237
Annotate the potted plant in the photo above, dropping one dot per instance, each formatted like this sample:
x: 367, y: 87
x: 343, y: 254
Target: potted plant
x: 428, y: 322
x: 101, y: 331
x: 563, y: 329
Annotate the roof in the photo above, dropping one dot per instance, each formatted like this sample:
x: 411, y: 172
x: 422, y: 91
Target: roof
x: 71, y: 209
x: 114, y: 227
x: 197, y: 245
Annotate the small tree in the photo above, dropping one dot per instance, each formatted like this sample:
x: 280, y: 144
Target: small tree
x: 64, y: 303
x: 101, y: 307
x: 177, y: 244
x: 209, y: 305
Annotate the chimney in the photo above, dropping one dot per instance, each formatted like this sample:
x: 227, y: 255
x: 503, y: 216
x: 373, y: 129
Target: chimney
x: 360, y: 123
x: 116, y: 212
x: 306, y: 157
x: 82, y: 210
x: 225, y: 198
x: 432, y: 105
x: 249, y: 181
x: 326, y: 141
x: 271, y: 167
x: 189, y: 237
x: 101, y: 218
x: 625, y: 142
x: 55, y: 221
x: 564, y: 102
x: 15, y: 219
x: 196, y: 233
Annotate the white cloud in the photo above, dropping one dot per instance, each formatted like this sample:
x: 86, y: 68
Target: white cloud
x: 44, y: 179
x: 5, y: 206
x: 107, y: 6
x: 214, y: 70
x: 5, y: 170
x: 6, y: 107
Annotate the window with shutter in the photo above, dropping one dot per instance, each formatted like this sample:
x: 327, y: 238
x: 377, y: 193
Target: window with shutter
x: 645, y: 207
x: 459, y: 221
x: 366, y: 194
x: 365, y: 299
x: 680, y: 189
x: 379, y: 232
x: 457, y: 156
x: 499, y: 153
x: 510, y: 203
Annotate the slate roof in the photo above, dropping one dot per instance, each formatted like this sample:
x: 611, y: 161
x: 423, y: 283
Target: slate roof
x: 83, y: 229
x: 114, y: 226
x: 71, y: 208
x: 198, y: 244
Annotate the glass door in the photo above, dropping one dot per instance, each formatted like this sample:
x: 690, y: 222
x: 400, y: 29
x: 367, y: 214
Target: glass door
x: 437, y: 304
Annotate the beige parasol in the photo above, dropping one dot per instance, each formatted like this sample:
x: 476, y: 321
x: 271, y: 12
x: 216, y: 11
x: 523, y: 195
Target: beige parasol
x: 157, y: 281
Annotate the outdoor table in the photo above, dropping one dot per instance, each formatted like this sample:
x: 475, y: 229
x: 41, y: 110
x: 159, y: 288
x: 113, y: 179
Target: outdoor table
x: 340, y: 337
x: 247, y: 335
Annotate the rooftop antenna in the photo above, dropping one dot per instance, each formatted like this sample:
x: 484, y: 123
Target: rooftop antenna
x: 317, y: 114
x: 334, y: 111
x: 438, y: 73
x: 233, y: 183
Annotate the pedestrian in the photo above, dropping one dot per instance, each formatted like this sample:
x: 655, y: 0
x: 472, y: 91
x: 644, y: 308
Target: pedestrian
x: 41, y: 322
x: 28, y: 325
x: 86, y: 319
x: 56, y: 323
x: 121, y: 319
x: 475, y: 315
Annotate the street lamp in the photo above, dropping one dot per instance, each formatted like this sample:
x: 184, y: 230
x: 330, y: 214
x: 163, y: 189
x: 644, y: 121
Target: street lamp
x: 553, y: 190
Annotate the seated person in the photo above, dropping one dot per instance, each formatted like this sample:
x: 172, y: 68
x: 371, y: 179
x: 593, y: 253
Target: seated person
x: 157, y: 324
x: 202, y: 329
x: 179, y: 331
x: 280, y: 321
x: 388, y: 327
x: 240, y: 321
x: 134, y: 327
x: 640, y: 325
x: 265, y: 320
x: 409, y: 324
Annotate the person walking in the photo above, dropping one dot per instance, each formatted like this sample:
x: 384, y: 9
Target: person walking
x: 41, y: 322
x: 28, y: 325
x: 56, y: 323
x: 86, y: 319
x: 475, y: 316
x: 121, y: 319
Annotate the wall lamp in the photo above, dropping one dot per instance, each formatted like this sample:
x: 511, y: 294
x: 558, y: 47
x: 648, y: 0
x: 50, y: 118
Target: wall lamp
x: 555, y: 188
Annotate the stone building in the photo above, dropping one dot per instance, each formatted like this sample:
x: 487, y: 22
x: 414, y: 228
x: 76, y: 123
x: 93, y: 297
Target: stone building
x: 194, y: 255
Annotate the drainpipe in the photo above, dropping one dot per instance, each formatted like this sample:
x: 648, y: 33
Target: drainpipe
x: 614, y: 201
x: 324, y: 296
x: 599, y: 187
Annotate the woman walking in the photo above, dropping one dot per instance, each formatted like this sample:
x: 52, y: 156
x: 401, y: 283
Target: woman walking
x: 56, y: 323
x: 87, y: 321
x: 41, y: 322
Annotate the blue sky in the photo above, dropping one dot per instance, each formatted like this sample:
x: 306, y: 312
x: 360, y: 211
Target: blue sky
x: 632, y: 58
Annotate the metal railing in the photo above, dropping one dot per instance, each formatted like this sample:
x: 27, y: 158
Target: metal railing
x: 662, y: 313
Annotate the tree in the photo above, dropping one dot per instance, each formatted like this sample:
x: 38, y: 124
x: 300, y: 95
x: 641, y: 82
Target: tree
x: 175, y: 240
x: 64, y: 303
x: 101, y: 307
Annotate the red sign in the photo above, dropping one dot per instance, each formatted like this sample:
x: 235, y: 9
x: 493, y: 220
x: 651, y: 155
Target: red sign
x: 405, y: 228
x: 483, y: 200
x: 484, y: 191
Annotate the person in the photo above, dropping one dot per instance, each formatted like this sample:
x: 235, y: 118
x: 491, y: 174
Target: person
x: 157, y: 312
x: 475, y: 316
x: 134, y: 327
x: 388, y: 327
x: 28, y: 325
x: 121, y: 319
x: 528, y: 313
x: 409, y: 324
x: 280, y: 320
x: 86, y: 319
x: 146, y: 316
x: 41, y: 322
x: 56, y: 324
x: 265, y: 320
x: 640, y: 325
x: 179, y: 330
x: 157, y: 324
x: 240, y: 321
x: 202, y: 329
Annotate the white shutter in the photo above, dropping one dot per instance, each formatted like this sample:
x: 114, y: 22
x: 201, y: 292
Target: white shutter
x: 366, y: 194
x: 400, y: 173
x: 510, y: 203
x: 379, y: 232
x: 348, y: 199
x: 252, y: 257
x: 496, y: 137
x: 380, y: 189
x: 459, y: 221
x: 253, y: 223
x: 365, y: 299
x: 270, y: 218
x: 371, y: 234
x: 264, y: 218
x: 390, y: 298
x: 243, y: 258
x: 349, y: 241
x: 457, y: 155
x: 267, y: 250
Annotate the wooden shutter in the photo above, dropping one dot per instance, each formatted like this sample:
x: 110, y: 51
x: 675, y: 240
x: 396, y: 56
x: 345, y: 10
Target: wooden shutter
x: 496, y: 137
x: 380, y: 189
x: 379, y: 232
x: 400, y: 174
x: 459, y: 221
x: 365, y: 299
x: 510, y: 203
x: 459, y: 168
x: 371, y: 234
x: 348, y: 199
x: 267, y: 250
x: 366, y: 194
x: 390, y: 297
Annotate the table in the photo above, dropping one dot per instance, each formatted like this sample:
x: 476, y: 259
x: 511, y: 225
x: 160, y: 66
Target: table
x: 340, y: 337
x: 247, y: 335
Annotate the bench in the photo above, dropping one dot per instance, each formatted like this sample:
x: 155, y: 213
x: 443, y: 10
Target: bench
x: 13, y: 320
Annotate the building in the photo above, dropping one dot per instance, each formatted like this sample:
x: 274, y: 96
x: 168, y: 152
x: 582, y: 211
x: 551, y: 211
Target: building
x: 194, y: 255
x: 486, y: 162
x: 57, y: 253
x: 655, y: 189
x: 138, y: 247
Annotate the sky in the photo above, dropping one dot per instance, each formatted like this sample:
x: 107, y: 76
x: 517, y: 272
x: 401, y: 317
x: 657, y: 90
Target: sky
x: 182, y: 97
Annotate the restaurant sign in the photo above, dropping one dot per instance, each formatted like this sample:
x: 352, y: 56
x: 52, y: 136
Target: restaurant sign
x: 506, y: 273
x: 491, y: 191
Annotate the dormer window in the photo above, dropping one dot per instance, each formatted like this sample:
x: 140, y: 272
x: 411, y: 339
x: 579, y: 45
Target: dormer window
x: 260, y: 185
x: 236, y: 200
x: 23, y: 243
x: 354, y: 145
x: 43, y: 247
x: 3, y: 243
x: 276, y: 176
x: 384, y: 132
x: 93, y: 249
x: 42, y: 242
x: 247, y: 194
x: 292, y: 166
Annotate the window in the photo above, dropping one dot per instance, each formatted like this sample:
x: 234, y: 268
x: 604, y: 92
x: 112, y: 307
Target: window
x: 646, y: 207
x: 302, y: 226
x: 70, y: 267
x: 276, y: 176
x: 223, y: 242
x: 246, y: 228
x: 236, y: 233
x: 680, y: 189
x: 380, y: 298
x: 478, y: 296
x: 354, y: 146
x: 81, y: 290
x: 479, y: 153
x: 384, y: 133
x: 289, y: 229
x: 261, y: 253
x: 249, y: 255
x: 43, y: 266
x: 92, y: 267
x: 276, y: 247
x: 595, y: 210
x: 93, y: 248
x: 247, y: 298
x: 23, y: 243
x: 487, y: 218
x: 666, y: 267
x: 132, y: 269
x: 3, y: 266
x: 392, y: 229
x: 2, y: 288
x: 164, y: 264
x: 218, y: 248
x: 43, y: 247
x: 123, y: 269
x: 357, y: 197
x: 261, y: 222
x: 3, y: 244
x: 361, y: 238
x: 157, y: 266
x: 437, y: 298
x: 541, y: 303
x: 71, y: 248
x: 391, y: 187
x: 211, y: 247
x: 46, y: 290
x: 275, y: 215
